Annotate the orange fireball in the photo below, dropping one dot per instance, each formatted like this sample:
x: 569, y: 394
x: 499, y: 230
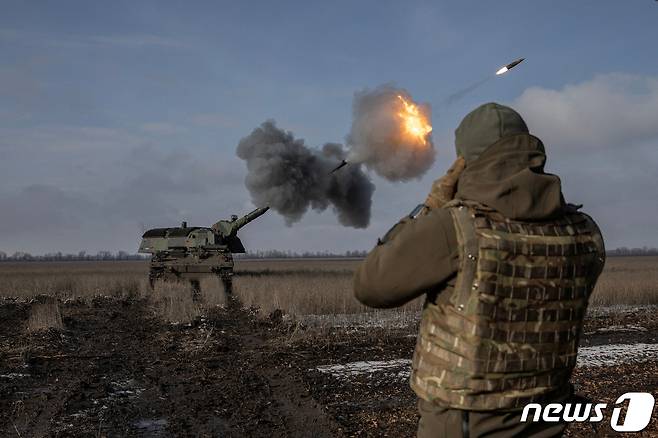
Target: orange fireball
x: 415, y: 122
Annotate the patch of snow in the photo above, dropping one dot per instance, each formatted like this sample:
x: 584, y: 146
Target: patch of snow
x: 619, y: 309
x: 81, y: 414
x: 154, y: 427
x: 377, y: 319
x: 12, y: 376
x: 600, y: 355
x: 398, y: 367
x: 127, y: 393
x: 127, y: 388
x: 614, y: 354
x: 619, y: 329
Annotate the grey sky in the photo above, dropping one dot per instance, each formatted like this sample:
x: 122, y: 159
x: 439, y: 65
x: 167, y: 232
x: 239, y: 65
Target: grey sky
x: 115, y: 116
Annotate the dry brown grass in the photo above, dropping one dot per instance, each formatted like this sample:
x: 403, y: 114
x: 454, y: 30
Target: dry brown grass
x: 298, y: 287
x: 45, y: 315
x: 73, y: 279
x: 316, y: 287
x: 298, y: 294
x: 212, y: 292
x: 304, y: 294
x: 321, y: 299
x: 62, y: 280
x: 174, y: 301
x: 296, y: 266
x: 627, y: 280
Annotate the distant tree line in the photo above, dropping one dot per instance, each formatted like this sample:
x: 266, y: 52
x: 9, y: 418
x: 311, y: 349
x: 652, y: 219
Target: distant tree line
x: 279, y: 254
x: 623, y: 251
x: 20, y: 256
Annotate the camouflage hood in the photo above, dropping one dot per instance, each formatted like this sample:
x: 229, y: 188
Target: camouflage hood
x: 505, y: 165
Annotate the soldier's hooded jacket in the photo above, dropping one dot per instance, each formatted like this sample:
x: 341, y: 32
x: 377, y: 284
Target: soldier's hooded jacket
x: 507, y: 267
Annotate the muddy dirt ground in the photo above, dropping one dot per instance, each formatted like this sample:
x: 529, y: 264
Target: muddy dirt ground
x: 118, y: 370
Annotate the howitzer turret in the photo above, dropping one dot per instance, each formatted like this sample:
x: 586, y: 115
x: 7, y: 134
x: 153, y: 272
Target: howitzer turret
x: 230, y: 228
x: 192, y: 253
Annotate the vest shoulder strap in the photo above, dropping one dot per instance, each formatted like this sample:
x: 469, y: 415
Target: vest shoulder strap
x: 463, y: 218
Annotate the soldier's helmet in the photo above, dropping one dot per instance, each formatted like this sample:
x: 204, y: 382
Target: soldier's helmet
x: 484, y: 126
x: 234, y: 217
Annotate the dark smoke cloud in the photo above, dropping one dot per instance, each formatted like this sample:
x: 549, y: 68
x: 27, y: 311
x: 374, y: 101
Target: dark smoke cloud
x: 290, y: 177
x: 378, y: 140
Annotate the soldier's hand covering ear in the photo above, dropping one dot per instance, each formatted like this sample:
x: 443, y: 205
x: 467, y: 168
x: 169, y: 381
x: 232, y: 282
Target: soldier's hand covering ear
x: 443, y: 189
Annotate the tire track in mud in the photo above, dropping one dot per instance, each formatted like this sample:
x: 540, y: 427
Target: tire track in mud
x: 118, y: 370
x: 275, y: 399
x: 71, y: 383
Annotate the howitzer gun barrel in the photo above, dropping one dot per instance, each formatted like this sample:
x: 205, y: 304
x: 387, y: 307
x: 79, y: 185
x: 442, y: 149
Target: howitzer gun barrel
x: 244, y: 220
x: 230, y: 228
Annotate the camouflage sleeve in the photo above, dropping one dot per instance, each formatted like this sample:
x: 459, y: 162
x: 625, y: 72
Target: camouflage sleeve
x: 415, y: 255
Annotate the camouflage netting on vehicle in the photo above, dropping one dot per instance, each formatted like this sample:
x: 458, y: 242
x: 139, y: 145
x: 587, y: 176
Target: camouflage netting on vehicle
x: 506, y: 332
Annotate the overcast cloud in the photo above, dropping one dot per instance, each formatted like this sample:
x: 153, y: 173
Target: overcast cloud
x: 612, y: 110
x: 144, y: 188
x: 115, y: 117
x: 602, y: 138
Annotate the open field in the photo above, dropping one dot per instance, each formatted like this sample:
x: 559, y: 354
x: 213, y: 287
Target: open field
x: 625, y: 280
x: 87, y: 349
x: 72, y: 279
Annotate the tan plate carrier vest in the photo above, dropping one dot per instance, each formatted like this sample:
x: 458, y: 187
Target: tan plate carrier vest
x: 505, y: 331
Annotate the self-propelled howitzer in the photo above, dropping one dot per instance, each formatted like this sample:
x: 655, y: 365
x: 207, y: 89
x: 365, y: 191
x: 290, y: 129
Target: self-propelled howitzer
x: 193, y: 253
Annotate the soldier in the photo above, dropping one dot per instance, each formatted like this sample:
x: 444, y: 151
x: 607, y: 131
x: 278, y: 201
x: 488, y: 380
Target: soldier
x: 507, y: 268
